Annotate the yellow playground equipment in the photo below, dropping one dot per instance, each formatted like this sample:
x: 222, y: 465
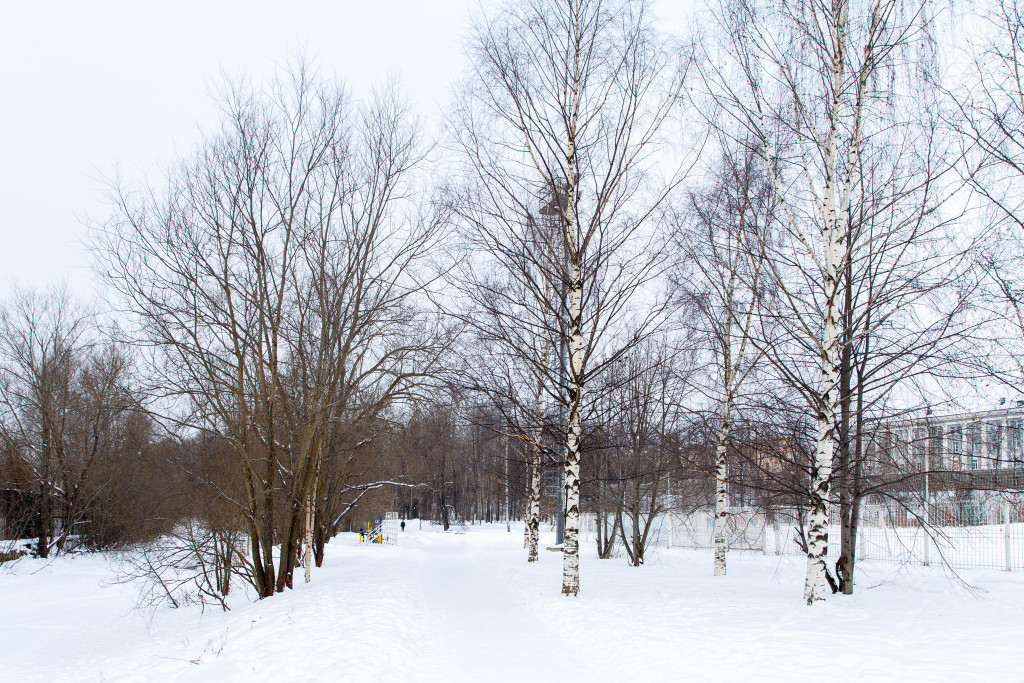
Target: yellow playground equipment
x: 373, y: 532
x: 382, y: 530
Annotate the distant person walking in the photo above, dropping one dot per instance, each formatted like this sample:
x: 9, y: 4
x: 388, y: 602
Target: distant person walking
x: 403, y: 525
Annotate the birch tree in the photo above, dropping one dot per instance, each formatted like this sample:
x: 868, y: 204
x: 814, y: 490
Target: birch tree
x: 906, y: 290
x: 724, y: 251
x: 809, y: 83
x: 536, y: 446
x: 566, y: 102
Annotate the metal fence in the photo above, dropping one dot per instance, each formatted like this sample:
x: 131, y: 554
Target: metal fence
x: 980, y: 535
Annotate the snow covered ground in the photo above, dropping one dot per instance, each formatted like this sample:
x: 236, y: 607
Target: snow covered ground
x: 467, y: 607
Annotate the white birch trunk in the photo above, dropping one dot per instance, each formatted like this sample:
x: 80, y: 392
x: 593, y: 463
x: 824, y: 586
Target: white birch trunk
x: 571, y: 549
x: 570, y: 554
x: 821, y: 474
x: 833, y: 230
x: 835, y: 212
x: 533, y: 513
x: 721, y: 472
x: 307, y: 541
x: 537, y: 448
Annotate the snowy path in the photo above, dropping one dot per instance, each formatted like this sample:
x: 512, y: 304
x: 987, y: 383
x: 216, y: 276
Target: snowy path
x: 474, y: 616
x: 467, y: 607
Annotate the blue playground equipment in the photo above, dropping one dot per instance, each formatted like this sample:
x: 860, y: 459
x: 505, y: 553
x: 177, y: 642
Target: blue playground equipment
x: 382, y: 530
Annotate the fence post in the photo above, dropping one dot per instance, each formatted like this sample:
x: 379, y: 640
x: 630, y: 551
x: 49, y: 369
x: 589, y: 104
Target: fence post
x: 862, y: 541
x: 1006, y: 533
x: 925, y: 525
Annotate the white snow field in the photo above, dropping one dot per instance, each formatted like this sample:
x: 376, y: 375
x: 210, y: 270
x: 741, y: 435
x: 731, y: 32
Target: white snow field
x: 468, y: 607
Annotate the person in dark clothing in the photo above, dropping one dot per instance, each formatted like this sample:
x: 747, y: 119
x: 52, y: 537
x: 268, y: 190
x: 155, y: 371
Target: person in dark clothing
x: 403, y: 525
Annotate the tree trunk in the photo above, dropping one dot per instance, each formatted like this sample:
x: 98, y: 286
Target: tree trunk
x: 302, y: 497
x: 537, y: 452
x: 571, y: 550
x: 844, y: 565
x: 853, y: 530
x: 444, y: 509
x: 622, y: 532
x: 533, y: 514
x: 609, y: 536
x: 638, y: 546
x: 507, y: 511
x: 851, y: 523
x: 721, y: 491
x: 311, y: 499
x: 264, y: 573
x: 835, y: 221
x: 821, y: 466
x: 266, y: 545
x: 224, y: 546
x: 526, y: 518
x: 43, y: 546
x: 320, y: 534
x: 307, y: 541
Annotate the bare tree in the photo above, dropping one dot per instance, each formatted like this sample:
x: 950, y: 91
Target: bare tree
x: 43, y: 342
x: 906, y: 288
x: 817, y: 87
x: 643, y: 411
x: 564, y: 109
x: 276, y: 279
x: 69, y: 413
x: 723, y: 253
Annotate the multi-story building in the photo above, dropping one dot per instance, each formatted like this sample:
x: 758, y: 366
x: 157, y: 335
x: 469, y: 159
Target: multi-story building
x: 982, y: 449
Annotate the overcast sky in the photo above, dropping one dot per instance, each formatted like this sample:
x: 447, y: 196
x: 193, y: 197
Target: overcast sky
x: 104, y: 87
x: 98, y: 88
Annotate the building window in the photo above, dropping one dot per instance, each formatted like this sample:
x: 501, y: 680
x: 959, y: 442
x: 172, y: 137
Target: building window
x: 956, y: 446
x: 902, y: 449
x: 936, y: 458
x: 994, y: 439
x: 1013, y: 442
x: 972, y: 452
x: 918, y: 446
